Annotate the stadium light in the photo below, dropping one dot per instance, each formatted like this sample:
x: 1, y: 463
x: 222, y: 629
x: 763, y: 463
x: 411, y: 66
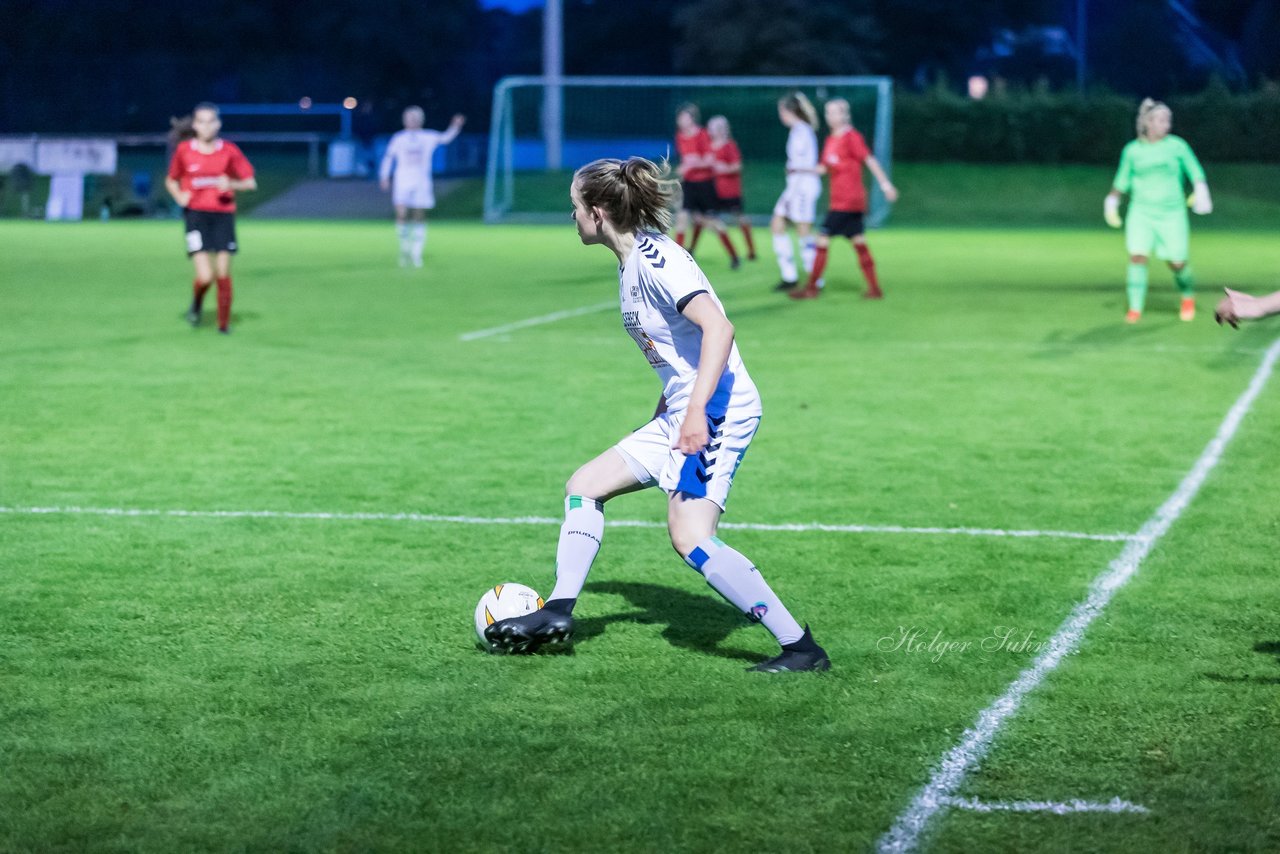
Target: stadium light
x: 349, y: 103
x: 304, y: 103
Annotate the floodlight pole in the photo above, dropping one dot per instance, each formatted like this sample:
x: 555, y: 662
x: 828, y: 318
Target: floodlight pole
x: 553, y: 70
x: 1082, y: 27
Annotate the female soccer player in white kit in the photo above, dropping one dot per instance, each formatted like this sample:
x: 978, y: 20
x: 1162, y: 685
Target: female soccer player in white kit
x: 706, y: 417
x: 798, y: 203
x: 412, y: 194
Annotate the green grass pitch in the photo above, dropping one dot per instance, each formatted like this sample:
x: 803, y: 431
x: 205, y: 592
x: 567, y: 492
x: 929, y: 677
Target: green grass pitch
x: 265, y: 684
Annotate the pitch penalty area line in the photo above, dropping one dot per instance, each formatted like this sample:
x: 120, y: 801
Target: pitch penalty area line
x: 1115, y: 805
x: 537, y: 321
x: 940, y: 792
x: 432, y: 518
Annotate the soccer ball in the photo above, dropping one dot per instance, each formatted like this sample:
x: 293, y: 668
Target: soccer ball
x: 503, y: 601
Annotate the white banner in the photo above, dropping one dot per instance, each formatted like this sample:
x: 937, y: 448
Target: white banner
x: 83, y: 156
x: 15, y: 151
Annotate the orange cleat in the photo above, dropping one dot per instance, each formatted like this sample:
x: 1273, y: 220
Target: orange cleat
x: 1188, y: 310
x: 1133, y: 316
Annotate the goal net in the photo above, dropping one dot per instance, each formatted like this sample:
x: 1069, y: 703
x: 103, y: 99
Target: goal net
x: 541, y: 130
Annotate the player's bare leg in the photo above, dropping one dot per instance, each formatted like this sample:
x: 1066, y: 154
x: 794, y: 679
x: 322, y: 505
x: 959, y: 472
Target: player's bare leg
x: 692, y: 523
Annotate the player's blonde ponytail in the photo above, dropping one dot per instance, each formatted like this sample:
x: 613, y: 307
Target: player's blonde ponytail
x: 636, y: 193
x: 1145, y: 109
x: 797, y: 104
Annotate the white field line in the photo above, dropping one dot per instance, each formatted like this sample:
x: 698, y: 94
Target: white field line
x: 955, y: 765
x: 537, y: 321
x: 546, y: 520
x: 1115, y: 805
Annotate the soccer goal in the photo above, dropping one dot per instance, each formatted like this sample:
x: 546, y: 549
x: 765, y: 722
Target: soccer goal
x: 542, y: 128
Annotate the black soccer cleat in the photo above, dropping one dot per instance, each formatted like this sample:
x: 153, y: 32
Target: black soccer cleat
x: 528, y: 632
x: 193, y: 316
x: 735, y: 263
x: 784, y: 285
x: 796, y: 657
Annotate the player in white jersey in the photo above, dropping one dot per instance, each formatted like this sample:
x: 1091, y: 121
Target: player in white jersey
x: 409, y: 158
x: 706, y: 417
x: 798, y: 203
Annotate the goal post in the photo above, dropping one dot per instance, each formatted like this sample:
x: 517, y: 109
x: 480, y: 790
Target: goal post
x: 626, y: 116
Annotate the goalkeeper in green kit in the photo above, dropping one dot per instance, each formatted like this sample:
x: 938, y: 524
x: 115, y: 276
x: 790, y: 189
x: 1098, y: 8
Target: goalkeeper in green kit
x: 1153, y: 169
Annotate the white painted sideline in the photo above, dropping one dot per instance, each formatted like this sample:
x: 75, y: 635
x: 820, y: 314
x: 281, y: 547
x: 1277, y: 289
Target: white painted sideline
x: 537, y: 321
x: 546, y: 520
x: 954, y: 767
x: 1115, y: 805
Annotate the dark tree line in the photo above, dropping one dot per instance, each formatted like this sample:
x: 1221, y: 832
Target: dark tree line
x: 126, y: 65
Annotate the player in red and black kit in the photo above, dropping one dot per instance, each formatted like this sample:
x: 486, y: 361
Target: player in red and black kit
x: 727, y: 162
x: 204, y: 176
x: 697, y: 183
x: 843, y: 156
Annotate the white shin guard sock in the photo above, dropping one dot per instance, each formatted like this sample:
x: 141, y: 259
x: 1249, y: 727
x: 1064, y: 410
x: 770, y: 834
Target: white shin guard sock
x: 786, y: 257
x: 579, y: 544
x: 808, y: 251
x: 736, y: 579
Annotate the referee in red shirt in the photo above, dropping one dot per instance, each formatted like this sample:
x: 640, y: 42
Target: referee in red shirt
x: 204, y: 176
x: 843, y: 156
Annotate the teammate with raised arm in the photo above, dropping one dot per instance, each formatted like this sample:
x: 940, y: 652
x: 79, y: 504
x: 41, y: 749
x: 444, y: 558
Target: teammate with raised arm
x: 406, y: 171
x: 1152, y: 171
x: 205, y: 173
x: 798, y: 204
x: 843, y: 155
x: 706, y: 417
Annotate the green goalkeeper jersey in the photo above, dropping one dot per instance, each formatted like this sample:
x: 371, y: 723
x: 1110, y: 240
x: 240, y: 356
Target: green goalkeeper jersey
x: 1152, y: 172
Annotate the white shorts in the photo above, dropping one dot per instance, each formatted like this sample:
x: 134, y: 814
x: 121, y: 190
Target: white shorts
x: 799, y: 201
x: 418, y: 195
x: 708, y: 474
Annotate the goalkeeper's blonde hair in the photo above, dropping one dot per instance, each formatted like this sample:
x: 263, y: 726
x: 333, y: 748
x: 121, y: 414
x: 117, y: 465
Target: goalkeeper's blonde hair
x: 1145, y: 109
x: 635, y: 193
x: 797, y: 104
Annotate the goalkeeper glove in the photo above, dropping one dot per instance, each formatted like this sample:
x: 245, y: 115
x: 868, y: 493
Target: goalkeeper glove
x: 1111, y: 211
x: 1201, y: 202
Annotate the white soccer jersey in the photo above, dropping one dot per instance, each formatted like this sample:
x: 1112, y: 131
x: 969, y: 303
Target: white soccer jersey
x: 654, y: 284
x: 802, y: 148
x: 410, y: 153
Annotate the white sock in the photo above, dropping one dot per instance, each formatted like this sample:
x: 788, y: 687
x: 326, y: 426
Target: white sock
x: 579, y: 543
x: 418, y: 240
x: 808, y: 251
x: 736, y: 579
x: 786, y: 256
x: 402, y: 232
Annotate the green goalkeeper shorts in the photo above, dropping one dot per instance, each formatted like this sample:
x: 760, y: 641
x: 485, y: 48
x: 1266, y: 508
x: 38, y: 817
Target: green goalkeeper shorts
x: 1159, y: 231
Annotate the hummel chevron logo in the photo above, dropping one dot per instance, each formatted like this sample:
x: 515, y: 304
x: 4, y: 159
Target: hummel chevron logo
x: 650, y: 252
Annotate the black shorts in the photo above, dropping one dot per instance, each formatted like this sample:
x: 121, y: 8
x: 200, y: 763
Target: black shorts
x: 699, y: 196
x: 729, y: 204
x: 843, y: 224
x: 209, y: 231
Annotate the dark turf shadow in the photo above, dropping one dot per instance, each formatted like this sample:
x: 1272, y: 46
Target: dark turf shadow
x: 697, y: 621
x: 1266, y: 648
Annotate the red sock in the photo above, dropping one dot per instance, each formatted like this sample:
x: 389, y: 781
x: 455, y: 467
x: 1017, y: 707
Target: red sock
x: 728, y: 245
x: 697, y: 232
x: 868, y: 267
x: 680, y: 239
x: 819, y: 264
x: 198, y: 290
x: 751, y: 244
x: 224, y: 301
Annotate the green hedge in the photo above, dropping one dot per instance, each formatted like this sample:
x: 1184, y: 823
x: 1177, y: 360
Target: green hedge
x: 1048, y: 127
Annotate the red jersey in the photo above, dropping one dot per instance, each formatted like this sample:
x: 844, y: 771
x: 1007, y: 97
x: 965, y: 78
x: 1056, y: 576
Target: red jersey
x: 843, y: 155
x: 698, y: 143
x: 199, y: 173
x: 728, y: 185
